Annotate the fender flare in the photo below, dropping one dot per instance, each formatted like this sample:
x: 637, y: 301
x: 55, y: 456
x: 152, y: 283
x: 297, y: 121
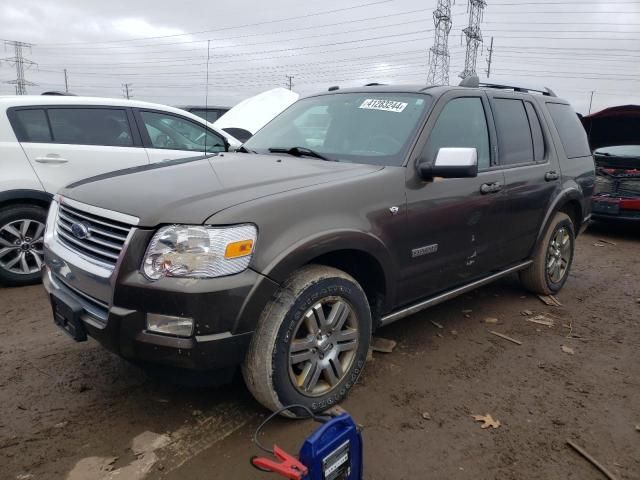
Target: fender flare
x: 25, y: 194
x: 565, y: 196
x: 305, y: 250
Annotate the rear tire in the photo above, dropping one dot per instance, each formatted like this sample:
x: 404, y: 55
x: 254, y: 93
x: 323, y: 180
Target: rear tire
x: 21, y: 244
x: 553, y: 258
x: 311, y: 342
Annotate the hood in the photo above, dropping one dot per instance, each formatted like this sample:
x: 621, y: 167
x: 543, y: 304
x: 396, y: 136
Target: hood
x: 613, y: 126
x: 255, y: 112
x: 191, y: 190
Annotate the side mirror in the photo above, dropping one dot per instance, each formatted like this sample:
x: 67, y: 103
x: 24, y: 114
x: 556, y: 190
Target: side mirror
x: 451, y: 163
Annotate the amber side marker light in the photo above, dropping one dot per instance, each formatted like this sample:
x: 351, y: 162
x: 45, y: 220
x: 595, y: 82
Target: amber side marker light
x: 238, y: 249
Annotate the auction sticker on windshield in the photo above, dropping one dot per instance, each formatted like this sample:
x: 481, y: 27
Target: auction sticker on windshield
x: 385, y: 105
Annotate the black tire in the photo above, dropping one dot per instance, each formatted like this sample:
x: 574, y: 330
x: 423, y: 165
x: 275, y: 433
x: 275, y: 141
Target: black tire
x: 8, y: 216
x: 537, y: 278
x: 267, y: 370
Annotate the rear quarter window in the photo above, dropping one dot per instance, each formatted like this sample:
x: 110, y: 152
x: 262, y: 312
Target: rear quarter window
x: 572, y: 135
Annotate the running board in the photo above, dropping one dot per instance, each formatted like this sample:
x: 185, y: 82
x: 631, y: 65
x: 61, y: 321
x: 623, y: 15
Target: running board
x: 405, y: 312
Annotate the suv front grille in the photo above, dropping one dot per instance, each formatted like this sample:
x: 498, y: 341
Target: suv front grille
x: 104, y: 241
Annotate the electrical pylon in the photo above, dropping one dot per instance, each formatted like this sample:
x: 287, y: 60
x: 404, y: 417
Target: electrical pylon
x: 19, y: 62
x: 439, y: 53
x: 474, y: 36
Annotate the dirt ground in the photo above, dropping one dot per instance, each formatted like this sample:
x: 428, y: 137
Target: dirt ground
x: 73, y: 410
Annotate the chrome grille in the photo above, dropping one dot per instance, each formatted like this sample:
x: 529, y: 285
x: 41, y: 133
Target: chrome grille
x: 105, y: 239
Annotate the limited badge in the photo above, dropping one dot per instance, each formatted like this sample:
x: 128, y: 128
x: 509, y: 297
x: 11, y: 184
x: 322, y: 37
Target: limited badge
x: 426, y: 250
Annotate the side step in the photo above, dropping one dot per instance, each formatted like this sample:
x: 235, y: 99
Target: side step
x: 443, y: 297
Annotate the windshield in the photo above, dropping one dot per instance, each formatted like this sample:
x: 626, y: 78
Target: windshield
x: 373, y: 128
x: 620, y: 150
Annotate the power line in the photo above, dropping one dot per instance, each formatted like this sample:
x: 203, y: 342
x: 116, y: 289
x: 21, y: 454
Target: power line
x: 288, y: 30
x: 413, y: 41
x: 379, y: 37
x: 245, y: 25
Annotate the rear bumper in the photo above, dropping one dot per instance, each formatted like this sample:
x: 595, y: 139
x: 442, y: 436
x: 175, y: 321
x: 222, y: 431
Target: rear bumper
x: 613, y: 208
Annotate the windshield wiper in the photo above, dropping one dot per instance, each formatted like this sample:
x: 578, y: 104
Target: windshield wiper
x: 301, y: 151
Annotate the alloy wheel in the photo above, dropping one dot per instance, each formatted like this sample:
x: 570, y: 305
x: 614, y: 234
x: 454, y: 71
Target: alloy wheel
x: 559, y: 255
x: 323, y: 347
x: 21, y: 246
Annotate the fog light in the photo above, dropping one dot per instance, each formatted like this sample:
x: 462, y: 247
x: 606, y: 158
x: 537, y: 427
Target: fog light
x: 179, y: 326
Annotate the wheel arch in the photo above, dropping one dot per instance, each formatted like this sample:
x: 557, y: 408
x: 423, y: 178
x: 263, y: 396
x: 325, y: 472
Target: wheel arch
x: 37, y: 197
x: 569, y: 202
x: 359, y: 254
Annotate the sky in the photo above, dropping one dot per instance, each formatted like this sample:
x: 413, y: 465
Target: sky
x: 160, y: 48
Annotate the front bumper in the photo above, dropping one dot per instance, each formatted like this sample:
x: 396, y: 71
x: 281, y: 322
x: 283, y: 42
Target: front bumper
x: 112, y: 302
x: 123, y: 330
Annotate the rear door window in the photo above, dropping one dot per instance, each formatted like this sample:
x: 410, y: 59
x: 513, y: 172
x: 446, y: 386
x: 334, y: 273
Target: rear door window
x: 31, y: 126
x: 572, y: 133
x: 515, y: 144
x: 90, y: 126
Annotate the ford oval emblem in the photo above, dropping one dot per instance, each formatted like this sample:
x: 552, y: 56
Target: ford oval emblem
x: 80, y: 230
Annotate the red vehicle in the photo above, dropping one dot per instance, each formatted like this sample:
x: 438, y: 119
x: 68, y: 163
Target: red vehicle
x: 614, y: 136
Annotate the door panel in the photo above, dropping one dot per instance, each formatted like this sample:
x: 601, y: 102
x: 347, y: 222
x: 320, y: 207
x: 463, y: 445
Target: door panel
x: 58, y: 165
x: 528, y: 197
x: 453, y: 222
x: 66, y: 144
x: 531, y: 171
x: 454, y: 218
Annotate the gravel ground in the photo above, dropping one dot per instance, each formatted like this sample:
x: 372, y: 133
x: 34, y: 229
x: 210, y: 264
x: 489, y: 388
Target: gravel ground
x: 73, y: 410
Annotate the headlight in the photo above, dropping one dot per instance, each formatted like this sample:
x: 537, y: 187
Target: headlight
x: 199, y: 251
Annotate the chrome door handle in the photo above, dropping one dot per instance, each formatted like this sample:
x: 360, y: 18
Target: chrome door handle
x: 551, y: 176
x: 51, y: 160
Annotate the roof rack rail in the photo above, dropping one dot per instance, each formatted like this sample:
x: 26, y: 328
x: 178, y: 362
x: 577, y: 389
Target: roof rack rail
x: 374, y: 84
x: 474, y: 82
x: 333, y: 88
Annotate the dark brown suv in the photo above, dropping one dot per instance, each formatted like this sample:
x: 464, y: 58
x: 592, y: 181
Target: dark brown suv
x: 349, y: 211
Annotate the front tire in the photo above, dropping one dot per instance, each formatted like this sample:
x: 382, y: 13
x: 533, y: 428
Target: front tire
x: 21, y: 244
x: 554, y: 256
x: 311, y: 342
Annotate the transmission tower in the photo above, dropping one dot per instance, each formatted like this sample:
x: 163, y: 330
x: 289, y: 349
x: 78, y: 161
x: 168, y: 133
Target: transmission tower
x: 439, y: 53
x: 474, y: 36
x: 20, y: 63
